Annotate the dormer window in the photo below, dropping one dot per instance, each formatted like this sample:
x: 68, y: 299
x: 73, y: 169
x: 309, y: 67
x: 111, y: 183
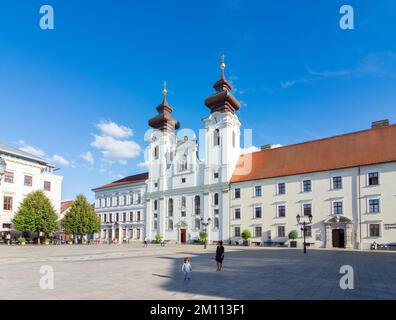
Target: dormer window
x: 216, y: 137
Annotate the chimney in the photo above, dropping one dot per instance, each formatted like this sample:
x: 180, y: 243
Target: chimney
x: 379, y: 124
x: 266, y: 146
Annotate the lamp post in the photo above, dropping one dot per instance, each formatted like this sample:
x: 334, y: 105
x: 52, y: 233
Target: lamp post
x: 205, y: 225
x: 304, y: 222
x: 3, y: 166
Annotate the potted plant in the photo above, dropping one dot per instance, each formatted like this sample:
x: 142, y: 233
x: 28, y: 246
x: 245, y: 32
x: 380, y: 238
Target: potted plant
x: 246, y: 235
x: 70, y: 242
x: 22, y: 240
x: 47, y: 241
x: 293, y: 235
x: 158, y: 238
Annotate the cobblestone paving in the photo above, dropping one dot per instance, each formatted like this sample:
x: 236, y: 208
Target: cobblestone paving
x: 134, y: 272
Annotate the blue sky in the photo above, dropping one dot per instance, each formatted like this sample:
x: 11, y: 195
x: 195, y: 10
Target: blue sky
x: 87, y: 88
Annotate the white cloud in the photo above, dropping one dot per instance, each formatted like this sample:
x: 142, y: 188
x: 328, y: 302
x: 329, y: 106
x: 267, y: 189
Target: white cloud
x: 60, y: 160
x: 109, y: 128
x: 113, y: 148
x: 143, y: 164
x: 88, y: 156
x: 249, y: 150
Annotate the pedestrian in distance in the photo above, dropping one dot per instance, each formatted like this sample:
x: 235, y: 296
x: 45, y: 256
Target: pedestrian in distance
x: 219, y: 255
x: 187, y: 268
x: 145, y: 242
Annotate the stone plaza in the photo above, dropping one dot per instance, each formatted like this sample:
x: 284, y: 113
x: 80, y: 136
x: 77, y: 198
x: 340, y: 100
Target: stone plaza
x: 134, y: 272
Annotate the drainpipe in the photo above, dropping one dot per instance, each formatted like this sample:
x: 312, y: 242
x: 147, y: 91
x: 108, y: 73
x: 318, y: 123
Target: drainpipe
x: 360, y: 211
x: 229, y: 214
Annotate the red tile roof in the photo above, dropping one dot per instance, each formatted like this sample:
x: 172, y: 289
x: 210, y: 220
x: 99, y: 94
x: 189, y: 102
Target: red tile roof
x: 66, y: 205
x: 361, y: 148
x: 135, y: 179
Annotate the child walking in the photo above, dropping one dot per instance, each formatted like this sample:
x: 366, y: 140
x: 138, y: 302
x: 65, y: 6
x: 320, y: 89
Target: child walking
x: 187, y: 268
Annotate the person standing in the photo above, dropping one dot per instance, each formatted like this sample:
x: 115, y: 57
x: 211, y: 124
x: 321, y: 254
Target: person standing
x: 219, y: 255
x: 187, y: 268
x: 145, y: 242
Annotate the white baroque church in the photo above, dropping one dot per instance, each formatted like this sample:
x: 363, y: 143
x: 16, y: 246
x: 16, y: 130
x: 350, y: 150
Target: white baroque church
x: 186, y: 194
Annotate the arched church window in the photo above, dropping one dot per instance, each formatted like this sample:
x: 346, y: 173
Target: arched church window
x: 216, y: 137
x: 216, y: 223
x: 197, y: 205
x: 197, y: 224
x: 184, y: 164
x: 216, y: 199
x: 156, y: 152
x: 155, y: 205
x: 170, y: 224
x: 170, y: 207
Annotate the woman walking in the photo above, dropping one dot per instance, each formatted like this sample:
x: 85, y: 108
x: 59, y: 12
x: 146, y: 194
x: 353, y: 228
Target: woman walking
x: 219, y: 255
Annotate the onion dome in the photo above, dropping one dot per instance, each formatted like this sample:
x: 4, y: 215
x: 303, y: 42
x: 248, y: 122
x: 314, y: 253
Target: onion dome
x: 163, y: 120
x: 223, y: 100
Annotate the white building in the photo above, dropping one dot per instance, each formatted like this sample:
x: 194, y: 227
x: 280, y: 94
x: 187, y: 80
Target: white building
x: 25, y: 173
x: 347, y: 183
x: 184, y: 191
x: 122, y: 209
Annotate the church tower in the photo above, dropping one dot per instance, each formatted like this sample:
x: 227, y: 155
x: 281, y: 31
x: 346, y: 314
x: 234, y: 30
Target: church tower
x: 162, y: 141
x: 222, y: 151
x: 222, y: 132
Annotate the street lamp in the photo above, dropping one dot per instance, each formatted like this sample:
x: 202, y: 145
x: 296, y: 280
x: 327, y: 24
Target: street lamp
x: 304, y: 222
x: 205, y: 225
x: 3, y: 165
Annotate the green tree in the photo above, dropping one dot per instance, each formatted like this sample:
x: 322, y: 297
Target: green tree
x: 246, y: 234
x: 36, y: 214
x: 81, y: 219
x: 293, y: 235
x: 203, y: 237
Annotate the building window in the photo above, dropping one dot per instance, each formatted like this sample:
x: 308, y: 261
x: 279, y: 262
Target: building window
x: 155, y: 224
x: 374, y: 206
x: 7, y: 206
x: 281, y: 211
x: 307, y: 209
x: 216, y: 223
x: 308, y: 231
x: 258, y: 232
x: 138, y: 218
x: 257, y: 212
x: 281, y: 188
x: 28, y: 181
x: 307, y: 186
x: 117, y: 217
x: 139, y: 198
x: 47, y: 185
x: 111, y: 217
x: 170, y: 207
x: 183, y: 202
x: 237, y: 231
x: 130, y: 216
x: 374, y: 230
x: 237, y: 213
x: 337, y: 207
x: 156, y: 185
x: 257, y: 191
x: 170, y: 224
x: 237, y: 193
x: 216, y: 199
x: 373, y: 179
x: 281, y: 231
x: 216, y: 175
x: 183, y: 180
x: 337, y: 182
x: 197, y: 224
x: 124, y: 217
x: 9, y: 177
x: 216, y: 211
x: 155, y: 205
x: 197, y: 205
x: 105, y: 217
x: 216, y: 137
x: 156, y: 153
x: 184, y: 164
